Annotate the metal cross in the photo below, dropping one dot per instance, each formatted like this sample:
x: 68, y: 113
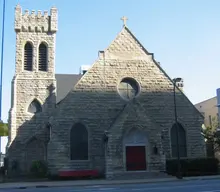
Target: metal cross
x: 124, y: 19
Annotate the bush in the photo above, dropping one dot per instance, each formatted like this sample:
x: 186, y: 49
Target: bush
x: 39, y: 168
x: 193, y: 167
x: 2, y: 171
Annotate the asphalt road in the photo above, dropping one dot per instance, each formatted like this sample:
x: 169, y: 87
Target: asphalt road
x: 182, y: 186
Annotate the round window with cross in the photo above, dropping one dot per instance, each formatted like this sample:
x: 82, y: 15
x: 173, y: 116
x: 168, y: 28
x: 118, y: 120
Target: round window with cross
x: 128, y: 88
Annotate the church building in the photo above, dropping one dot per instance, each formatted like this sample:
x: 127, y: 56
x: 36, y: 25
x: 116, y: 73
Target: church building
x: 117, y: 117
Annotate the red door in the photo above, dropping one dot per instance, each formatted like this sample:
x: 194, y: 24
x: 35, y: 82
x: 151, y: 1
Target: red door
x: 135, y: 158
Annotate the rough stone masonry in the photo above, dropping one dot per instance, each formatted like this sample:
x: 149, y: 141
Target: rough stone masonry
x: 117, y: 118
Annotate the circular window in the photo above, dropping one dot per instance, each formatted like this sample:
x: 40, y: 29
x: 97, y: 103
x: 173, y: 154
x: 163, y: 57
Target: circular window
x: 128, y: 88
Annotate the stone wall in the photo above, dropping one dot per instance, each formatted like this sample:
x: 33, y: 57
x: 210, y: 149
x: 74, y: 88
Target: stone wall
x: 96, y: 103
x: 30, y: 85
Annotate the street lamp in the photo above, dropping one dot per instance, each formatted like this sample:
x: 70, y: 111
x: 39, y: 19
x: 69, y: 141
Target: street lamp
x: 179, y: 175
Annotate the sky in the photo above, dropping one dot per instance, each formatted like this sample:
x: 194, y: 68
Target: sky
x: 184, y: 36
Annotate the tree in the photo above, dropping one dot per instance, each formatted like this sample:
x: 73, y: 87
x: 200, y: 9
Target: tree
x: 3, y: 129
x: 212, y: 135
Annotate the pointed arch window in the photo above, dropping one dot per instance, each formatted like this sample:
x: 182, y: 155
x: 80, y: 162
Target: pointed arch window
x: 28, y: 57
x: 182, y: 140
x: 79, y: 142
x: 42, y: 65
x: 35, y: 107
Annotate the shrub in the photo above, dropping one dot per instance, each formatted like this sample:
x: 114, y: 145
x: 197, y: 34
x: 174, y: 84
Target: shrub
x: 2, y: 171
x: 39, y: 168
x: 193, y: 167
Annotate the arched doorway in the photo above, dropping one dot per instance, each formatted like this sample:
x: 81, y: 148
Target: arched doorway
x: 35, y: 151
x: 135, y: 150
x: 182, y: 141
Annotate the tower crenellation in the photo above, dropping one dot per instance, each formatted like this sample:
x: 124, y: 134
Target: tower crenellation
x: 35, y: 21
x: 34, y: 68
x: 53, y: 20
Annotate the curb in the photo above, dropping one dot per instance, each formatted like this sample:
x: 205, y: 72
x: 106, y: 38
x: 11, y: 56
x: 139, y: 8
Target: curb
x: 202, y: 178
x: 125, y: 182
x: 25, y: 187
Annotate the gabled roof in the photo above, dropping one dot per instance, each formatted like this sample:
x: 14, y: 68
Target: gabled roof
x: 65, y: 82
x: 122, y: 40
x: 207, y: 100
x: 118, y: 46
x: 124, y: 37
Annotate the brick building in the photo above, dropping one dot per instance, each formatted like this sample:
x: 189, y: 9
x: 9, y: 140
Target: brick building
x: 116, y: 118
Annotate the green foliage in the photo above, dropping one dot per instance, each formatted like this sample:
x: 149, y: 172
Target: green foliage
x: 193, y: 167
x: 3, y: 129
x: 39, y: 169
x: 212, y: 135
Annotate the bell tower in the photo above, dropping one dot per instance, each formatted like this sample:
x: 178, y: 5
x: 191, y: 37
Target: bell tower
x: 34, y: 83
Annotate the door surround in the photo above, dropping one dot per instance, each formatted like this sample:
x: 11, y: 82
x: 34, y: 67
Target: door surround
x: 136, y: 137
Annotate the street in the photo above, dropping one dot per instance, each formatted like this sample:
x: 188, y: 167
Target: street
x: 180, y: 186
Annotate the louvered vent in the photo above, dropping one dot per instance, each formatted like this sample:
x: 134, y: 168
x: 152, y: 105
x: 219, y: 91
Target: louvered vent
x: 42, y: 57
x: 28, y: 57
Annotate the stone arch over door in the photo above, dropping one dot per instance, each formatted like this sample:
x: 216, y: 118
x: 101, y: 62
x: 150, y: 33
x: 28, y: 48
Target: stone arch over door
x: 136, y: 150
x: 182, y: 140
x: 35, y: 151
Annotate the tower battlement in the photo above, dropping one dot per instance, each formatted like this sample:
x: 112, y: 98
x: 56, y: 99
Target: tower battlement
x: 35, y: 21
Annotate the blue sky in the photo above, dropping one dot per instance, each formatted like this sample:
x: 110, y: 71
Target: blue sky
x: 184, y: 35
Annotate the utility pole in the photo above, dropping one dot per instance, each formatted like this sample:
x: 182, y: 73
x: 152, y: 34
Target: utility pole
x: 2, y: 56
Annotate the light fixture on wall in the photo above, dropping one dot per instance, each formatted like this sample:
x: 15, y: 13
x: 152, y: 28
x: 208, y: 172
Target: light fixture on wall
x: 48, y: 125
x: 105, y: 137
x: 49, y: 131
x: 155, y: 150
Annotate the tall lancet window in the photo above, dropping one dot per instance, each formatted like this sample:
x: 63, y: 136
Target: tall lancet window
x: 42, y: 65
x: 28, y: 57
x: 79, y: 142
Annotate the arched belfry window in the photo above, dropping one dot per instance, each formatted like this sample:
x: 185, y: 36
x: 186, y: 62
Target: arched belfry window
x: 34, y: 107
x: 79, y: 142
x: 42, y: 60
x: 28, y: 57
x: 182, y: 140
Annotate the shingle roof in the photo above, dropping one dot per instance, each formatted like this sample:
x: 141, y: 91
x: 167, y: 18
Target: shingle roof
x: 65, y: 82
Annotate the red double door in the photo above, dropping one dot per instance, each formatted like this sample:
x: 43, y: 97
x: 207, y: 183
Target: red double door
x: 136, y: 158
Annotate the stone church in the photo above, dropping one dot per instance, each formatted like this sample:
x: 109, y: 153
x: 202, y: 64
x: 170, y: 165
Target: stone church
x: 117, y: 117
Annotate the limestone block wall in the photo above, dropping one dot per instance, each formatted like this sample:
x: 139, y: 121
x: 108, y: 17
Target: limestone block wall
x: 96, y: 103
x: 30, y: 85
x: 26, y: 28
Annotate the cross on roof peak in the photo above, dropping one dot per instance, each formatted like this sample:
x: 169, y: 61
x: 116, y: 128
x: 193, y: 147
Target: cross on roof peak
x: 124, y: 19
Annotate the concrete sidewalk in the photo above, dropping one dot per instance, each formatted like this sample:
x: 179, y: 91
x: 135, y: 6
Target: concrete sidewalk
x: 45, y: 184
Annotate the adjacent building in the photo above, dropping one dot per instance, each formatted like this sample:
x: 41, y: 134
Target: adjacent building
x: 209, y: 110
